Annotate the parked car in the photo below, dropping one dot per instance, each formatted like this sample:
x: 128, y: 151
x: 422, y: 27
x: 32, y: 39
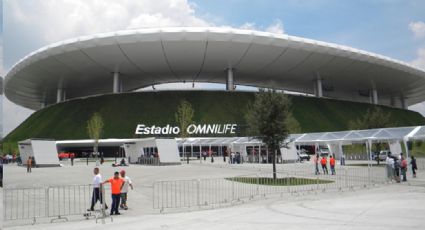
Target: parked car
x: 65, y: 155
x: 324, y: 151
x: 302, y: 155
x: 382, y: 155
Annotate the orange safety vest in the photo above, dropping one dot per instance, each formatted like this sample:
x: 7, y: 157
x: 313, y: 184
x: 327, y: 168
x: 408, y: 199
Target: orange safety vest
x: 116, y: 185
x: 323, y: 161
x: 332, y: 162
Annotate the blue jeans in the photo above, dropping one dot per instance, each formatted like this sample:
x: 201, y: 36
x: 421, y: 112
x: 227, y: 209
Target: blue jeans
x: 115, y: 203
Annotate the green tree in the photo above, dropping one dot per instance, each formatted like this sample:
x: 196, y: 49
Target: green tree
x: 184, y: 116
x: 95, y: 129
x: 267, y: 120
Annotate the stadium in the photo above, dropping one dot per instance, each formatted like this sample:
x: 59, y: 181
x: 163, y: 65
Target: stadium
x: 330, y: 84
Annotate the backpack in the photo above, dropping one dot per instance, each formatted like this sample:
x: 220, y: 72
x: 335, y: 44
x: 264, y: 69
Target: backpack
x: 396, y: 164
x: 404, y: 164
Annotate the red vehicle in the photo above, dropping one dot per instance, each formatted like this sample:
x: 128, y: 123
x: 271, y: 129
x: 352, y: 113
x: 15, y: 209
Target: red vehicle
x: 64, y: 155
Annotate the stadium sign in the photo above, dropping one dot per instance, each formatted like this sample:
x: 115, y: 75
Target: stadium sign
x: 142, y: 129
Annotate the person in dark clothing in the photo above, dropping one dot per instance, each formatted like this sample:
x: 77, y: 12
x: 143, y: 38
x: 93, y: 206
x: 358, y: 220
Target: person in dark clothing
x: 397, y: 169
x: 414, y: 166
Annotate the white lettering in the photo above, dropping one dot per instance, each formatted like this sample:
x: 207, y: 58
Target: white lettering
x: 233, y: 129
x: 176, y: 130
x: 156, y: 130
x: 141, y: 129
x: 191, y: 129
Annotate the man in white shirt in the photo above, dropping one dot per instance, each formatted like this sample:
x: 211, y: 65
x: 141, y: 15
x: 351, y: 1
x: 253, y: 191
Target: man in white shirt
x: 390, y: 167
x: 97, y: 192
x: 124, y: 189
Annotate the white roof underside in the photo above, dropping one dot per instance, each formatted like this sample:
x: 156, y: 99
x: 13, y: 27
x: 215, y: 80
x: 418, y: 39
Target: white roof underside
x: 154, y: 56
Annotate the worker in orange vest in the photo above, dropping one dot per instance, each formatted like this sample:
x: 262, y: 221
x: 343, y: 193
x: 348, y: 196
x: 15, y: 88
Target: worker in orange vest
x: 332, y: 164
x: 324, y: 163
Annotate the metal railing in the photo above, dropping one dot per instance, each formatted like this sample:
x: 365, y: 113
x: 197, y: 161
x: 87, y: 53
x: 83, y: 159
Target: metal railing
x: 148, y: 161
x: 210, y: 192
x: 52, y: 203
x: 420, y: 162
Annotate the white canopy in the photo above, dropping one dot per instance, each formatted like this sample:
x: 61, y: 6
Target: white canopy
x: 374, y: 135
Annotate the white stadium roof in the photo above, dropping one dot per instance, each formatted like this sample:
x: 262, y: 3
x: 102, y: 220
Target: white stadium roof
x: 84, y: 66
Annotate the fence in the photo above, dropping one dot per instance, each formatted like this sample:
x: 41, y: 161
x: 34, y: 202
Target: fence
x: 224, y: 191
x: 420, y: 163
x: 148, y: 161
x: 52, y: 203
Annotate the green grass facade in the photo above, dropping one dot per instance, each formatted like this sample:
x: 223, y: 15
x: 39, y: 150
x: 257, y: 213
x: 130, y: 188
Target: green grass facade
x: 122, y: 112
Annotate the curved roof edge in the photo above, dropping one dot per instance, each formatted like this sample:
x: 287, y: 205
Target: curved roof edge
x: 362, y: 54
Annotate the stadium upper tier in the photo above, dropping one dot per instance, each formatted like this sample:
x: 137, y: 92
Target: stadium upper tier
x: 128, y: 60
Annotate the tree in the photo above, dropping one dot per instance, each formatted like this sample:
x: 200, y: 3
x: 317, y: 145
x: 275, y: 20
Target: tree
x: 373, y: 119
x: 184, y: 116
x: 95, y: 129
x: 267, y: 120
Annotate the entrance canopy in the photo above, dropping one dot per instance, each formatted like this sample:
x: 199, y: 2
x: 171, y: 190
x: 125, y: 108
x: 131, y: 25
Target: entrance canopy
x: 373, y: 135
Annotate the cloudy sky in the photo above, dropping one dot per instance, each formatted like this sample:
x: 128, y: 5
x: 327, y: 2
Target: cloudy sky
x: 393, y: 28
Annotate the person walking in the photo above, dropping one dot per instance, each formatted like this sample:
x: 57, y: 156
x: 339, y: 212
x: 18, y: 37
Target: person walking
x: 324, y: 163
x: 389, y: 167
x: 116, y: 185
x: 414, y: 166
x: 404, y: 168
x: 29, y: 164
x: 332, y: 164
x: 397, y: 169
x: 97, y: 189
x: 316, y: 164
x: 124, y: 189
x: 212, y: 157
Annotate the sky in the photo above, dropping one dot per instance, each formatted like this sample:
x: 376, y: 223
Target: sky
x: 394, y: 28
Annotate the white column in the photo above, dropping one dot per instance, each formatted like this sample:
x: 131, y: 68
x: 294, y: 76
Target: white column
x: 44, y: 100
x: 59, y: 95
x: 116, y: 84
x: 318, y: 91
x: 230, y: 86
x: 59, y: 92
x: 374, y: 96
x: 403, y: 102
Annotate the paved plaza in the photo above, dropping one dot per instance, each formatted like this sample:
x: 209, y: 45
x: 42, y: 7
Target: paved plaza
x: 389, y: 206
